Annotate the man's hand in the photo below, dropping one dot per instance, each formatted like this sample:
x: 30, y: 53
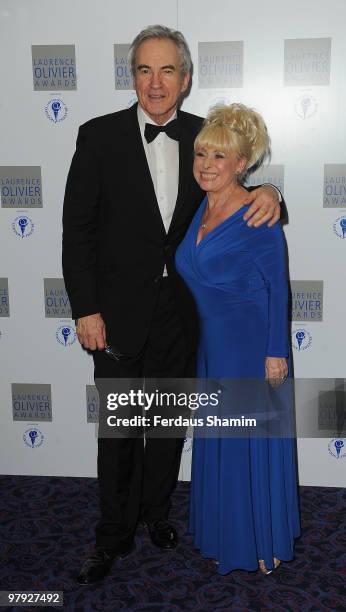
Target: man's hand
x: 276, y: 370
x: 91, y: 332
x: 265, y: 206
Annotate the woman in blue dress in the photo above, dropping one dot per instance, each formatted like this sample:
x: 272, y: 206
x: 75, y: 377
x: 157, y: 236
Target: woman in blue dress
x: 244, y: 501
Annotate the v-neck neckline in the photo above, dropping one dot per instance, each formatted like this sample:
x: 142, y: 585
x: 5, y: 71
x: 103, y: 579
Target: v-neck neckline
x: 198, y: 244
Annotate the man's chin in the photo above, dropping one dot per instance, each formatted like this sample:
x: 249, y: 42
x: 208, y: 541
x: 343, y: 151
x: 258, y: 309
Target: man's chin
x: 160, y: 115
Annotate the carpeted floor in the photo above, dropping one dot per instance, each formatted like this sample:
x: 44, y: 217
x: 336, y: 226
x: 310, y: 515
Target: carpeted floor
x: 47, y: 531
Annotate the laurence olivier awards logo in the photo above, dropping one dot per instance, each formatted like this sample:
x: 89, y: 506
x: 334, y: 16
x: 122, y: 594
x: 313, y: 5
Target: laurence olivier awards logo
x: 122, y: 68
x: 54, y: 67
x: 31, y: 402
x: 23, y: 226
x: 332, y: 408
x: 56, y: 110
x: 33, y: 437
x: 334, y: 186
x: 301, y: 339
x: 307, y: 61
x: 274, y: 174
x: 92, y: 404
x: 220, y: 64
x: 57, y: 306
x: 21, y: 187
x: 306, y: 106
x: 56, y: 302
x: 4, y: 298
x: 337, y: 448
x: 66, y: 334
x: 307, y: 300
x: 339, y: 227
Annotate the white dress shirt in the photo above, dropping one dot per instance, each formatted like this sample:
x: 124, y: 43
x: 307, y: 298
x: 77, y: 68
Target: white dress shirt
x: 163, y: 161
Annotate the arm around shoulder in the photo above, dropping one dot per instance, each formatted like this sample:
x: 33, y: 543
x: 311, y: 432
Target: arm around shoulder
x: 265, y: 206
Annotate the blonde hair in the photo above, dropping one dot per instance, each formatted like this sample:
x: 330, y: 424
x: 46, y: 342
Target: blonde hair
x: 236, y: 128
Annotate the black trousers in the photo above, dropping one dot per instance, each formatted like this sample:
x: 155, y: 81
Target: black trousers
x: 136, y: 480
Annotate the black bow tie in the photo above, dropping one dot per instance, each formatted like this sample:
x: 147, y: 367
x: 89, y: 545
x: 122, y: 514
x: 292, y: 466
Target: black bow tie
x: 171, y: 129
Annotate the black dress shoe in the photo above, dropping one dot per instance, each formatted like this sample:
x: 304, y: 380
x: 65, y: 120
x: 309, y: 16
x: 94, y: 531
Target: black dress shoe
x: 99, y: 564
x: 162, y: 534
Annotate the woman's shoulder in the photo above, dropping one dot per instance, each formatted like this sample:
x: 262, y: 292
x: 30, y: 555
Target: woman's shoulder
x: 261, y: 235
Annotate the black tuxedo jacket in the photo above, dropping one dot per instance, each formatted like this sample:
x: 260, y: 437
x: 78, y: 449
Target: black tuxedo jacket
x: 115, y: 245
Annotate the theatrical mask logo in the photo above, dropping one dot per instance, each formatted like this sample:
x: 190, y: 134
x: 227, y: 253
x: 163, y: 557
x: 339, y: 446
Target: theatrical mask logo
x: 23, y: 226
x: 66, y: 335
x: 33, y: 437
x: 306, y: 106
x: 339, y: 227
x: 56, y: 110
x: 337, y: 448
x: 301, y: 339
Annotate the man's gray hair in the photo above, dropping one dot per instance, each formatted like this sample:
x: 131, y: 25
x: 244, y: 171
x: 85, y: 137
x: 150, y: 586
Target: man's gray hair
x: 159, y: 31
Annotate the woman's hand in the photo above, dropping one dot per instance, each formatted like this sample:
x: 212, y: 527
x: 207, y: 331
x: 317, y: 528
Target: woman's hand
x: 276, y: 369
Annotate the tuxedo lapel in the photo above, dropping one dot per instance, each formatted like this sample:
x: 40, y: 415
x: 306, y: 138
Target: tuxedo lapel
x: 185, y: 167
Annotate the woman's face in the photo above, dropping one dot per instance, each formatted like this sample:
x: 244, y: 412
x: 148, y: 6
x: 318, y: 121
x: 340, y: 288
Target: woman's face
x: 215, y: 170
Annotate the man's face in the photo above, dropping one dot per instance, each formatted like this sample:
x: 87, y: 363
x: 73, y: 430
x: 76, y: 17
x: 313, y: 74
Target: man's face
x: 158, y: 79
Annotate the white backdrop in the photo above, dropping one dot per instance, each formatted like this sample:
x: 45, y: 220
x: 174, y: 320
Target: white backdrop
x: 304, y: 111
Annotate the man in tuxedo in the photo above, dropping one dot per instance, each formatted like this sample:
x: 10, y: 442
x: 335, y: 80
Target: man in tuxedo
x: 130, y: 197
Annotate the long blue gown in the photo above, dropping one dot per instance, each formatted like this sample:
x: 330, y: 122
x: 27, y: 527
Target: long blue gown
x: 244, y: 503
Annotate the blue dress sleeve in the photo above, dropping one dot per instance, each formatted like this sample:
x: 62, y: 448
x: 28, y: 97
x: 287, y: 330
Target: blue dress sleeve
x: 268, y: 251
